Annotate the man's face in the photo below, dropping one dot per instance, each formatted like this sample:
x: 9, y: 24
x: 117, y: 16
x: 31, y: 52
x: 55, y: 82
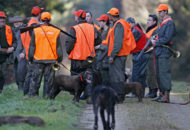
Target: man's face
x: 101, y: 23
x: 132, y: 24
x: 76, y: 19
x: 111, y: 18
x: 162, y: 14
x: 150, y: 21
x: 88, y: 18
x: 17, y: 24
x: 2, y: 22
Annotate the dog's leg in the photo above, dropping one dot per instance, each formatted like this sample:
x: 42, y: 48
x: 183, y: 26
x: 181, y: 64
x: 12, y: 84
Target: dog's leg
x: 103, y: 118
x: 108, y: 119
x: 113, y: 117
x: 95, y: 108
x: 140, y: 95
x: 77, y: 95
x: 54, y: 92
x: 139, y: 98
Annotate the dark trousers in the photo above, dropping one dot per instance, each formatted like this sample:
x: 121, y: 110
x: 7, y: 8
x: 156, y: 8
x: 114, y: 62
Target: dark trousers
x: 151, y: 75
x: 139, y: 69
x: 20, y: 70
x: 41, y: 69
x: 3, y: 69
x: 117, y: 74
x: 163, y: 73
x: 30, y: 69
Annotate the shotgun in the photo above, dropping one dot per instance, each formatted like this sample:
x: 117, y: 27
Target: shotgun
x: 62, y: 31
x: 147, y: 44
x: 103, y: 55
x: 24, y: 29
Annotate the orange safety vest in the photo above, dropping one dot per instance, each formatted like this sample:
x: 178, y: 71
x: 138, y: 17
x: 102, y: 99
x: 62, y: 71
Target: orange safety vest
x: 46, y: 43
x: 23, y: 38
x: 128, y: 39
x: 9, y: 35
x: 149, y: 34
x: 105, y: 42
x: 27, y: 38
x: 84, y: 45
x: 163, y: 22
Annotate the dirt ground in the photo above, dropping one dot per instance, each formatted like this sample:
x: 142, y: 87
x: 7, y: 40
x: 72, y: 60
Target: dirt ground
x: 148, y: 115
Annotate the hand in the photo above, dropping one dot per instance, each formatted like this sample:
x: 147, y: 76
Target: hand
x: 10, y: 49
x: 111, y: 60
x: 21, y: 56
x: 153, y: 43
x: 97, y: 47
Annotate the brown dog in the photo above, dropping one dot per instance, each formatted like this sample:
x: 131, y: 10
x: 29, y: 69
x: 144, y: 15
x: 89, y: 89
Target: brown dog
x: 73, y: 84
x: 32, y: 120
x: 135, y: 88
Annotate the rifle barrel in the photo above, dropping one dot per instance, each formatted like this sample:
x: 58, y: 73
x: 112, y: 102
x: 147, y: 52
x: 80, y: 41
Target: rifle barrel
x: 62, y: 31
x: 24, y: 29
x: 147, y: 44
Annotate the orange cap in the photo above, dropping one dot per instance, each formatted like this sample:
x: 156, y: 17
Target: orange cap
x: 80, y: 13
x: 103, y: 17
x: 162, y: 7
x: 113, y: 11
x: 36, y: 10
x: 2, y: 14
x: 46, y: 16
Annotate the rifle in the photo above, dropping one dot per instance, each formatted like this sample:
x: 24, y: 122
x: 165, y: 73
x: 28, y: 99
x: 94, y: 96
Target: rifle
x: 103, y: 55
x: 62, y: 31
x: 147, y: 44
x: 24, y: 29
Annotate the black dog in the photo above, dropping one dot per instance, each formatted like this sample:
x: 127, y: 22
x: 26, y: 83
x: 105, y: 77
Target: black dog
x: 105, y: 98
x: 73, y: 84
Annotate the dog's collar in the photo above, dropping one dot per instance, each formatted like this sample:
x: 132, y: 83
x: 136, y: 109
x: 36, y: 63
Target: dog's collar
x: 81, y: 78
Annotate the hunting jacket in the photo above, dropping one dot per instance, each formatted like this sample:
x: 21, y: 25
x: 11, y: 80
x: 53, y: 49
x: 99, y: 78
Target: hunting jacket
x: 165, y: 34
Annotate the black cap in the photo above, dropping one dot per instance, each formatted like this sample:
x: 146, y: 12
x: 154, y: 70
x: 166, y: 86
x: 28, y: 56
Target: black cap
x: 130, y: 20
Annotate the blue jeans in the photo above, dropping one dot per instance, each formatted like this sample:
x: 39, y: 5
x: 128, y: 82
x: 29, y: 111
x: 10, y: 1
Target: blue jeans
x: 139, y: 69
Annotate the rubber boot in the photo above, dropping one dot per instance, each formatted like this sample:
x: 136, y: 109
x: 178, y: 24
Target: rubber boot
x: 165, y: 98
x: 148, y: 94
x: 152, y: 94
x: 168, y: 95
x: 158, y: 97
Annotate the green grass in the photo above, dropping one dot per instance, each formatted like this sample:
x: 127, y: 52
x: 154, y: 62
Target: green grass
x: 181, y: 88
x: 58, y: 114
